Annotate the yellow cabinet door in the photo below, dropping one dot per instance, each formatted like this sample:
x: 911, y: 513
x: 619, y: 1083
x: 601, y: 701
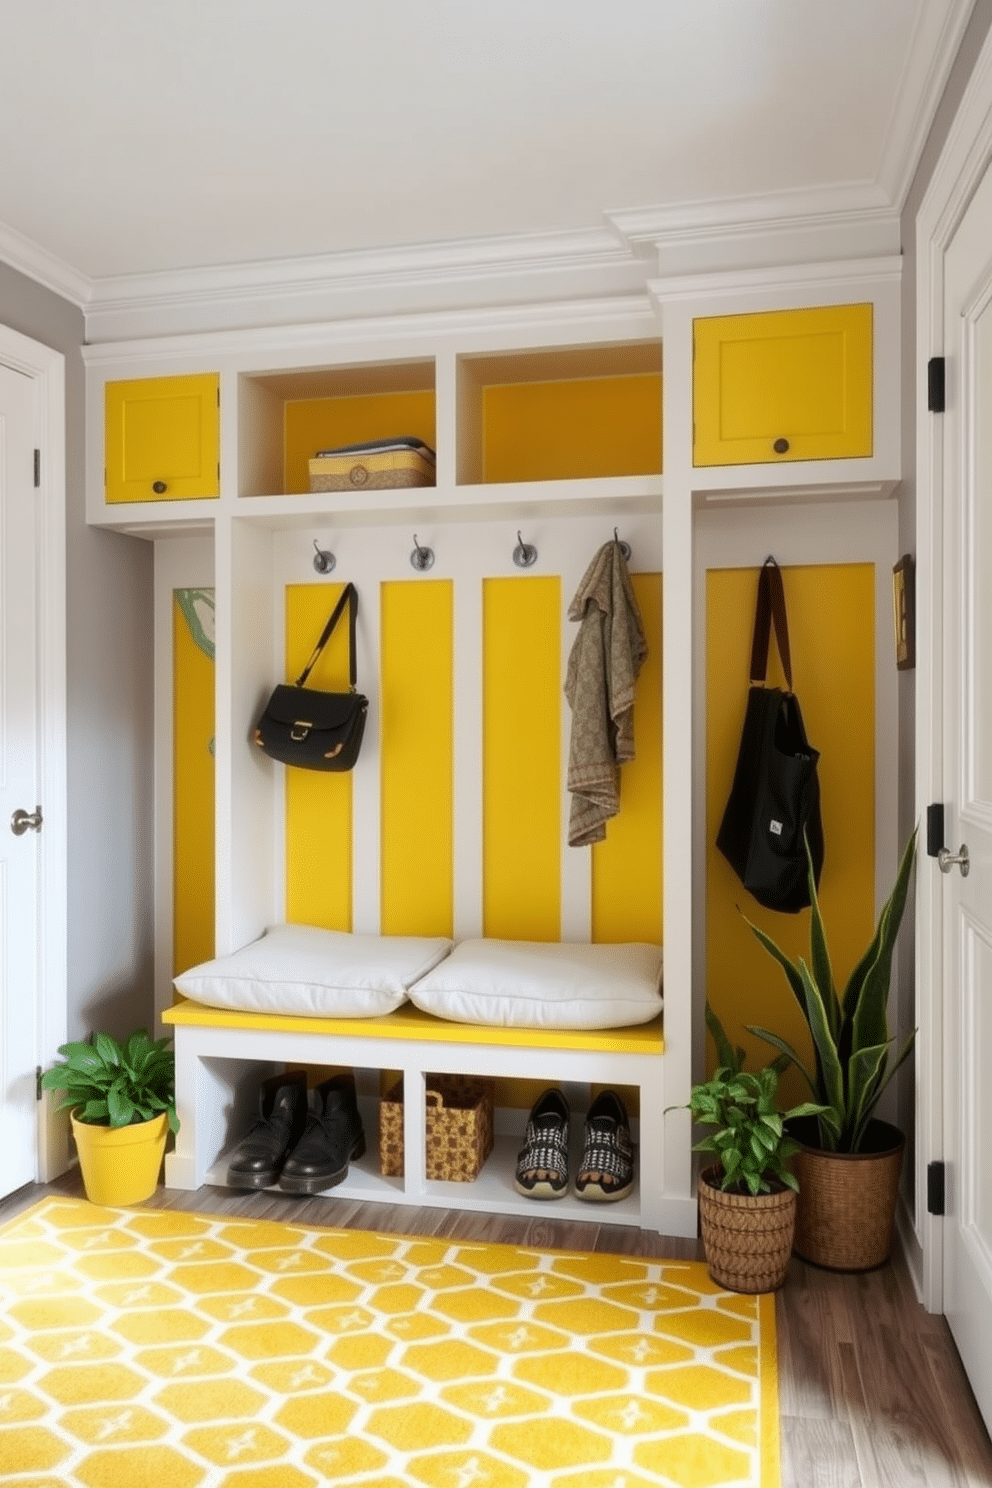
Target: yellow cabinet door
x: 163, y: 438
x: 783, y: 385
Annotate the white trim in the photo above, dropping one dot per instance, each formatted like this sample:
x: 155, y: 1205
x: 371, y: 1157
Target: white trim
x: 937, y: 35
x: 963, y: 161
x: 47, y: 368
x: 29, y: 258
x: 619, y: 317
x: 818, y: 277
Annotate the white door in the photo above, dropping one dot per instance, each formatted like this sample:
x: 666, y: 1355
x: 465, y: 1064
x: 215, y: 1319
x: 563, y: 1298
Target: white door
x: 19, y: 883
x: 967, y: 744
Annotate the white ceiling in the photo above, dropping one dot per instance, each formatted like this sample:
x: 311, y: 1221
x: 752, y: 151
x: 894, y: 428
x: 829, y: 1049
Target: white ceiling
x: 155, y: 136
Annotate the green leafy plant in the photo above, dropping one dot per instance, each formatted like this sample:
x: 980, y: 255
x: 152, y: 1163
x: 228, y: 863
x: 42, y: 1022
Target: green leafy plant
x: 850, y: 1033
x: 112, y: 1084
x: 750, y: 1143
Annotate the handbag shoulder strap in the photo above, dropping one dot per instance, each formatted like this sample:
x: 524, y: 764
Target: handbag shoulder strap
x: 349, y: 596
x: 769, y: 611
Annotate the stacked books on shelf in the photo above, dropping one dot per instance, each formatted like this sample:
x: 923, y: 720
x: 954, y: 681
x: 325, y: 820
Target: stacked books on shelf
x: 379, y: 464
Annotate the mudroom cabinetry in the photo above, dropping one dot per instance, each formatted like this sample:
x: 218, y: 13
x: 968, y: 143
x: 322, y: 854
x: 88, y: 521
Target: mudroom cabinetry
x: 554, y: 427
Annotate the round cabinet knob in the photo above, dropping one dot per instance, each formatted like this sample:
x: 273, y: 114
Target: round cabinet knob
x: 358, y: 475
x: 781, y: 446
x: 159, y: 487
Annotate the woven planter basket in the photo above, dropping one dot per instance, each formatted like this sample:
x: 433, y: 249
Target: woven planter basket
x: 747, y: 1239
x: 847, y: 1200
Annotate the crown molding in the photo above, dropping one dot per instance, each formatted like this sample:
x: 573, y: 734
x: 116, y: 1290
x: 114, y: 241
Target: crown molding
x: 27, y: 257
x: 821, y: 276
x: 354, y: 285
x: 937, y: 36
x: 853, y: 220
x: 621, y: 317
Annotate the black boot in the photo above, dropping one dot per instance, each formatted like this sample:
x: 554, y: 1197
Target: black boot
x: 282, y: 1111
x: 334, y: 1137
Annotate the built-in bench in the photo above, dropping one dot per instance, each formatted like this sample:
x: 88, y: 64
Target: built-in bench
x: 223, y: 1055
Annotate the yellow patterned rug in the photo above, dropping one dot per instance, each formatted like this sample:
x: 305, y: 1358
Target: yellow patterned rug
x: 147, y: 1348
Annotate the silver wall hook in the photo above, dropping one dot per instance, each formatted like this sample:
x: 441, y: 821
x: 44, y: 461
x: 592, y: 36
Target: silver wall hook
x: 524, y: 554
x: 624, y: 546
x: 323, y: 561
x: 421, y: 558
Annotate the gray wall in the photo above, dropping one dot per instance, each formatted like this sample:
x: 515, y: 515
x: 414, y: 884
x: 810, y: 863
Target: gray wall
x: 109, y: 708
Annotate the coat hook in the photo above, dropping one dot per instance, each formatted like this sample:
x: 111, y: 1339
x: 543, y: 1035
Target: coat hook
x: 421, y: 558
x: 323, y: 561
x: 524, y: 554
x: 624, y: 546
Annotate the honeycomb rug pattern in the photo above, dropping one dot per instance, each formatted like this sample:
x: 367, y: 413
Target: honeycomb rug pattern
x: 148, y: 1348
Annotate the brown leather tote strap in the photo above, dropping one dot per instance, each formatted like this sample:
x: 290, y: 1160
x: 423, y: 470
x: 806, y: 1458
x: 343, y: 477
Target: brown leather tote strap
x: 349, y: 596
x: 770, y: 610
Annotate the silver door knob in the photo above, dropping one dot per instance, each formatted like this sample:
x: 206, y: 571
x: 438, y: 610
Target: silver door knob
x: 21, y: 820
x: 946, y: 859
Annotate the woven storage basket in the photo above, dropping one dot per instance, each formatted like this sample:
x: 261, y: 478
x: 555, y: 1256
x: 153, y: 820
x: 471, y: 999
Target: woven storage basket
x: 747, y: 1239
x: 385, y: 471
x: 847, y: 1200
x: 459, y: 1116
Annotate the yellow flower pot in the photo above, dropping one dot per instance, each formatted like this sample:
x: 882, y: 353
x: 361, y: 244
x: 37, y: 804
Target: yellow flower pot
x: 120, y: 1164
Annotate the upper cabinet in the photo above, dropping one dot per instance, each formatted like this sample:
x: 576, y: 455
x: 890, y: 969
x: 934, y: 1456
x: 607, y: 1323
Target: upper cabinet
x: 163, y: 438
x: 783, y: 385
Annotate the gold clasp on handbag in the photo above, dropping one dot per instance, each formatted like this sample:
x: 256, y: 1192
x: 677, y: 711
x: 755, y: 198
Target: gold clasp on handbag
x: 300, y: 730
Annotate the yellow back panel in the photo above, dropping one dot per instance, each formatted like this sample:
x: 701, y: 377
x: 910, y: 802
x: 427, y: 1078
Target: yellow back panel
x: 521, y: 758
x: 417, y: 765
x: 831, y: 611
x: 314, y: 424
x: 593, y: 426
x: 626, y: 867
x: 318, y: 805
x: 193, y: 775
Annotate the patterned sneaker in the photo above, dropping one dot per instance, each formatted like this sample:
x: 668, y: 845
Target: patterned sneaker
x: 606, y: 1170
x: 542, y: 1163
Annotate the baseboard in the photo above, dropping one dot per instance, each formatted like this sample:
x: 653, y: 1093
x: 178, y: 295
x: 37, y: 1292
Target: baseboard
x: 906, y: 1238
x: 55, y: 1155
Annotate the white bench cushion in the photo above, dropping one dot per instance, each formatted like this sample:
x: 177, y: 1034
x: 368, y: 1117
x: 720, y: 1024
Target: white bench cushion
x: 534, y: 984
x: 307, y: 970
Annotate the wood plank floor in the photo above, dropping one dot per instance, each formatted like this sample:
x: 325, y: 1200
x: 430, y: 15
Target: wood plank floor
x: 873, y: 1394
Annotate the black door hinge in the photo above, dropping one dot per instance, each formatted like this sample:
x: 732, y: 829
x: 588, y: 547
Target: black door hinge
x: 935, y: 1188
x: 935, y: 384
x: 37, y: 467
x: 935, y: 829
x: 37, y: 1082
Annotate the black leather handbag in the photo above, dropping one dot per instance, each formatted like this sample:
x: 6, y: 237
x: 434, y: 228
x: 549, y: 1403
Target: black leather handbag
x: 317, y: 730
x: 775, y: 797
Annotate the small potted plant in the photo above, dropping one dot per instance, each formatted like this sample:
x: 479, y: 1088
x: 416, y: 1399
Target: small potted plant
x: 121, y: 1101
x: 849, y: 1160
x: 747, y: 1198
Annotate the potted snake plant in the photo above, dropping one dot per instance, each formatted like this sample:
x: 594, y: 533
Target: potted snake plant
x: 849, y: 1160
x: 121, y: 1102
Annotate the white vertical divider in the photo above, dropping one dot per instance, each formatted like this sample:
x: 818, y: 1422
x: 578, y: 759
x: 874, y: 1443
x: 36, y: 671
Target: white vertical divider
x: 680, y: 659
x: 366, y: 779
x: 576, y: 862
x: 180, y: 563
x: 246, y: 897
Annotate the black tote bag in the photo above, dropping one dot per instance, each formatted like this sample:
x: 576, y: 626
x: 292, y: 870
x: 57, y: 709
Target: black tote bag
x: 317, y: 730
x: 775, y: 797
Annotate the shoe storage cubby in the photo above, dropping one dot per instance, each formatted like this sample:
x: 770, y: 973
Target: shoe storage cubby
x: 555, y: 425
